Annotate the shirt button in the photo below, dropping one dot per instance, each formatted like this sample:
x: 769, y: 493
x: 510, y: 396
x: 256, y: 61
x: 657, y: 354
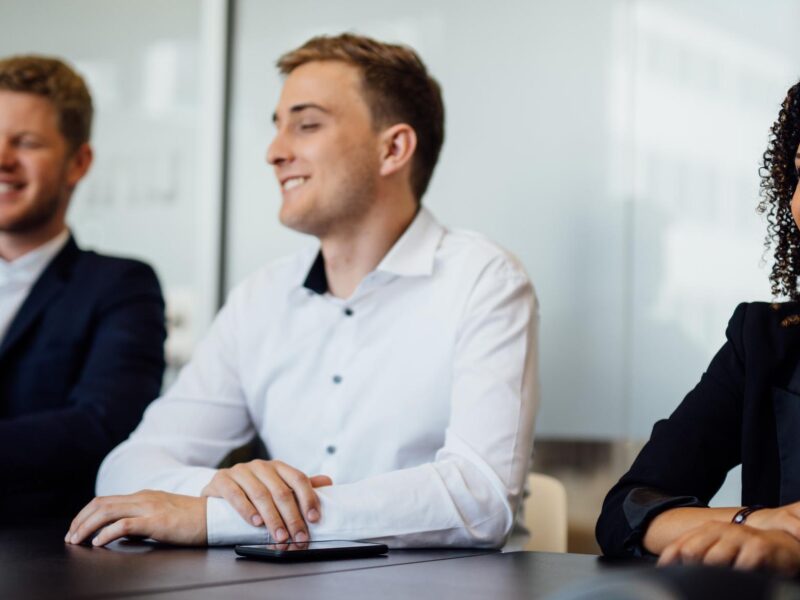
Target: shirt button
x: 330, y: 449
x: 348, y: 312
x: 337, y: 379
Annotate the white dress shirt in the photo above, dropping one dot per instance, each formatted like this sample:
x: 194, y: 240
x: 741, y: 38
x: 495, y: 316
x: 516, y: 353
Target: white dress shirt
x: 18, y: 276
x: 417, y: 395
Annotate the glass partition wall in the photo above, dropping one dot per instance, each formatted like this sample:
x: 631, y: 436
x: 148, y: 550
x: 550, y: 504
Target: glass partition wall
x: 153, y: 190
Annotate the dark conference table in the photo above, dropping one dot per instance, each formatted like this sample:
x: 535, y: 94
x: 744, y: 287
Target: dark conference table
x: 35, y: 563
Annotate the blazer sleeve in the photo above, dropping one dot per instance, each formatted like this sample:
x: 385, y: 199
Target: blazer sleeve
x: 120, y: 375
x: 688, y: 455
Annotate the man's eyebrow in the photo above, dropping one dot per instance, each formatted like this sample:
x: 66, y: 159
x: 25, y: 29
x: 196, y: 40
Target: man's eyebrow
x: 300, y: 108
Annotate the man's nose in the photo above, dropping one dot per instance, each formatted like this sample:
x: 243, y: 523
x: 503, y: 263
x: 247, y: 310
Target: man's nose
x: 279, y: 151
x: 8, y: 156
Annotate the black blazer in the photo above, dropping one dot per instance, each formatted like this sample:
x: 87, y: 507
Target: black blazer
x: 745, y: 410
x: 78, y: 365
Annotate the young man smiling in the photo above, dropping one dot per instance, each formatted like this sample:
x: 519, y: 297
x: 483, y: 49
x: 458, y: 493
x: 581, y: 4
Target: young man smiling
x: 398, y: 358
x: 81, y: 335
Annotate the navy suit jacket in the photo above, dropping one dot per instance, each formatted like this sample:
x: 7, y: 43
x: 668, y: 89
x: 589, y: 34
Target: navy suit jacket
x: 78, y: 365
x: 745, y: 411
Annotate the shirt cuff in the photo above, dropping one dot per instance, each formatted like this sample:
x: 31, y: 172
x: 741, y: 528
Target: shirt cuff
x: 642, y: 505
x: 225, y: 527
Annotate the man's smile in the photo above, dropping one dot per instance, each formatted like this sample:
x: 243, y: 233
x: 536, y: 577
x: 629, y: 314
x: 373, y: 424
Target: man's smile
x: 293, y: 182
x: 10, y: 188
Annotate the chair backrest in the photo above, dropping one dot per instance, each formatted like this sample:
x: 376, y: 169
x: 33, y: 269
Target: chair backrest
x: 546, y: 514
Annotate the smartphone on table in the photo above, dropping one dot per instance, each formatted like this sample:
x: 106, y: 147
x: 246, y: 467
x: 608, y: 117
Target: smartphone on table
x: 304, y: 551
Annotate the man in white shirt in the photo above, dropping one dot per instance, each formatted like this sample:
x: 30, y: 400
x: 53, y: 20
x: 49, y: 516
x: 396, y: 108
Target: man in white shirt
x: 81, y: 335
x: 391, y: 373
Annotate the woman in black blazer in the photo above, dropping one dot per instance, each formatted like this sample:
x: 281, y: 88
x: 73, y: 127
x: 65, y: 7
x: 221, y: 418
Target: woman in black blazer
x: 745, y: 410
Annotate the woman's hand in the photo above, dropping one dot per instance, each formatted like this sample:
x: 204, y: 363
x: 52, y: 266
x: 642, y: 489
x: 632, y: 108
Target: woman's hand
x: 783, y: 518
x: 739, y: 546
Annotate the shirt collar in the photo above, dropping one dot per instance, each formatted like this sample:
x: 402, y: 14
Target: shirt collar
x: 412, y: 254
x: 415, y: 251
x: 29, y: 266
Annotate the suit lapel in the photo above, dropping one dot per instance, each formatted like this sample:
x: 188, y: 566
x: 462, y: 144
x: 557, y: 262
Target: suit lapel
x: 51, y: 283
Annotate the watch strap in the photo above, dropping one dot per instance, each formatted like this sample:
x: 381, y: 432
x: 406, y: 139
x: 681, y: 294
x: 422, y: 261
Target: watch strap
x: 741, y: 515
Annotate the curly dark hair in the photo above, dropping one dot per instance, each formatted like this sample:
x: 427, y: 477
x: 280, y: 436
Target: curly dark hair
x: 778, y: 182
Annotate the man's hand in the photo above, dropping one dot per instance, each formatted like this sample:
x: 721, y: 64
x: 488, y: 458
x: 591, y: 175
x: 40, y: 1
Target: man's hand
x: 740, y: 546
x: 271, y: 493
x: 168, y: 518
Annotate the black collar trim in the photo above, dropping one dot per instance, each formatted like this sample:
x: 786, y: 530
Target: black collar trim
x: 316, y: 280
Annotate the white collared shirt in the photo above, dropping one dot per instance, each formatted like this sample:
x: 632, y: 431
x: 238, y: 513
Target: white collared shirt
x: 417, y: 395
x: 18, y: 276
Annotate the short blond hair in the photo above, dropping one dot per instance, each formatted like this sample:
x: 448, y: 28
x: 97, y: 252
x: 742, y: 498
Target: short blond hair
x: 53, y: 79
x: 397, y: 86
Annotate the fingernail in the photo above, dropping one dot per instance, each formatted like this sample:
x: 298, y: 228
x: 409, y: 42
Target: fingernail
x: 257, y: 520
x: 313, y: 514
x: 95, y: 542
x: 74, y: 539
x: 280, y: 535
x: 301, y: 536
x: 66, y: 537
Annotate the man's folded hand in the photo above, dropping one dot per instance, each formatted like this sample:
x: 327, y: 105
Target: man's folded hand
x: 271, y: 493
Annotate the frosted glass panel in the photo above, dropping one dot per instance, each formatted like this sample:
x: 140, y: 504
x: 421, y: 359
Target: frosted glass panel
x: 530, y: 159
x: 709, y: 78
x: 141, y: 61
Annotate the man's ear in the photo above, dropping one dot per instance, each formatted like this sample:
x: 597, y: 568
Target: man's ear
x: 398, y: 144
x: 79, y: 164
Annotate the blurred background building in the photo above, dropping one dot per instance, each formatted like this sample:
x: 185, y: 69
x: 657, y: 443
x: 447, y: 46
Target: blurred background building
x: 613, y: 145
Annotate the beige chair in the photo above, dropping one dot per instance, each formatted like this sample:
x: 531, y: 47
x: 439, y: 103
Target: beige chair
x: 546, y: 514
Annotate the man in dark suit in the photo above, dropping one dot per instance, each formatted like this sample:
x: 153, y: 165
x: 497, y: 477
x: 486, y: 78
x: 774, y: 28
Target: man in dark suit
x: 81, y: 335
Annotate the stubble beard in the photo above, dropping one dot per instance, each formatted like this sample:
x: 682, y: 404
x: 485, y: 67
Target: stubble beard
x: 39, y: 214
x: 343, y: 209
